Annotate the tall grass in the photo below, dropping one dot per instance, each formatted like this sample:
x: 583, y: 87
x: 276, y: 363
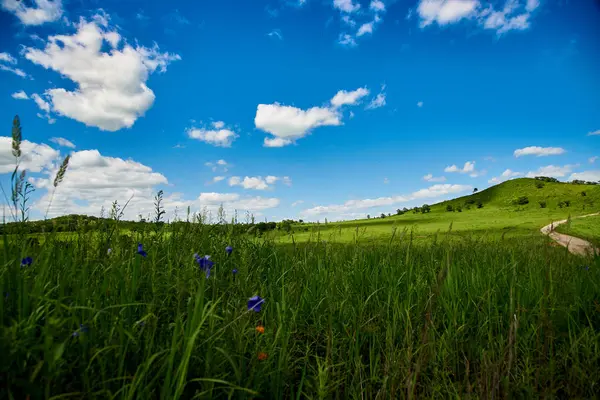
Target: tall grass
x: 448, y: 318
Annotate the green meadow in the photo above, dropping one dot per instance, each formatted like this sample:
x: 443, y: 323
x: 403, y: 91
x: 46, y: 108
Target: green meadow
x: 439, y: 304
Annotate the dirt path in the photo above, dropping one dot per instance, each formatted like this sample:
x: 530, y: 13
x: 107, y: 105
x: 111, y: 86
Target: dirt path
x: 575, y: 245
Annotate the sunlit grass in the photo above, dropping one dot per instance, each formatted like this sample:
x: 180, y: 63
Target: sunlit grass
x: 445, y: 316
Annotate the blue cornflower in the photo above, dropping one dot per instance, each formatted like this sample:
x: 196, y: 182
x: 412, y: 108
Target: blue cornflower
x: 234, y: 271
x: 204, y: 263
x: 255, y: 303
x: 228, y: 249
x: 26, y: 262
x: 109, y: 251
x: 141, y: 251
x: 82, y: 329
x: 586, y: 267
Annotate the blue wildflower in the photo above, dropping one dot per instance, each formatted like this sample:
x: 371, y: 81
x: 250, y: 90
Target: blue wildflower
x: 204, y: 263
x: 82, y: 329
x: 109, y: 251
x: 228, y: 249
x: 234, y: 271
x: 255, y: 303
x: 141, y: 251
x: 26, y: 262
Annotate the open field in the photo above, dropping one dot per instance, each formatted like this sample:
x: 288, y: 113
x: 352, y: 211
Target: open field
x: 515, y: 318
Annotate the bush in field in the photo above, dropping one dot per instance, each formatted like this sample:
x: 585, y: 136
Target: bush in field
x: 542, y: 203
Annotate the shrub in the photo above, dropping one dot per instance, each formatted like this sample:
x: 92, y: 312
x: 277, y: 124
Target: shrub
x: 539, y: 185
x: 470, y: 201
x: 459, y: 208
x: 542, y: 203
x: 382, y: 215
x: 567, y: 203
x: 449, y: 208
x: 521, y: 200
x: 583, y: 194
x: 425, y: 208
x: 479, y: 204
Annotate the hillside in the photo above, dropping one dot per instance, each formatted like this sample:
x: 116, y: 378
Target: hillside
x: 500, y: 213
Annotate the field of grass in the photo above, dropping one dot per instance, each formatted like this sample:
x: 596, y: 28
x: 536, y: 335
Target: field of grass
x: 394, y: 319
x: 586, y: 228
x: 499, y: 217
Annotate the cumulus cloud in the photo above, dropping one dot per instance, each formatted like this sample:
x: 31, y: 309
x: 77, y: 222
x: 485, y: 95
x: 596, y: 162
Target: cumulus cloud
x: 344, y: 97
x: 297, y: 203
x: 377, y: 5
x: 62, y: 142
x: 468, y: 168
x: 20, y: 95
x: 217, y: 135
x: 8, y: 62
x: 506, y: 175
x: 347, y: 40
x: 592, y: 159
x: 365, y: 28
x: 41, y: 12
x: 287, y: 123
x: 258, y: 182
x: 347, y: 6
x: 552, y: 171
x: 431, y: 178
x: 434, y: 191
x: 514, y: 15
x: 594, y: 133
x: 218, y: 179
x: 111, y: 91
x: 538, y: 151
x: 591, y: 176
x: 35, y: 157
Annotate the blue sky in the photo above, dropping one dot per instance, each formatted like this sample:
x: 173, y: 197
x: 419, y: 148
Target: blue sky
x: 317, y: 108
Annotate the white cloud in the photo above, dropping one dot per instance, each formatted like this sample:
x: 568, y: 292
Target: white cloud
x: 34, y: 157
x: 515, y: 14
x: 346, y: 40
x: 287, y: 123
x: 218, y: 179
x: 386, y: 181
x: 219, y: 136
x: 233, y: 201
x: 352, y: 205
x: 348, y: 20
x: 591, y: 176
x: 420, y: 104
x: 44, y: 10
x: 347, y: 6
x: 377, y: 5
x: 222, y: 162
x: 431, y: 178
x: 62, y: 142
x: 469, y: 168
x: 538, y: 151
x: 506, y: 175
x: 275, y: 33
x: 377, y: 102
x: 297, y: 203
x: 365, y: 28
x: 592, y: 159
x: 594, y: 133
x: 111, y: 91
x: 344, y: 97
x: 445, y: 12
x: 552, y: 171
x: 258, y: 182
x: 7, y: 58
x: 20, y: 95
x: 41, y: 103
x: 6, y: 64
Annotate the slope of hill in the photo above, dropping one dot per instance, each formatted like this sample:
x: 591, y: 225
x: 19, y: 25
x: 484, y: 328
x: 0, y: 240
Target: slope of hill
x: 515, y: 207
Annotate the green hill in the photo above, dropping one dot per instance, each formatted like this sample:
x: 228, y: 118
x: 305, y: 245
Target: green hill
x: 500, y: 212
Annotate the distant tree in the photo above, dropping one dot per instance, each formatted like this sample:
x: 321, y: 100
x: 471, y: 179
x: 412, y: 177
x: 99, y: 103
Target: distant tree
x: 479, y: 204
x: 382, y: 215
x: 325, y: 221
x: 475, y: 190
x: 301, y: 221
x: 405, y: 210
x: 368, y: 216
x: 539, y: 185
x: 399, y: 212
x: 449, y: 208
x: 389, y: 214
x: 542, y: 203
x: 459, y: 208
x: 425, y: 208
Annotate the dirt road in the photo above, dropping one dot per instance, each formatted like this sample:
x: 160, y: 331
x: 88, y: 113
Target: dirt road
x: 575, y: 245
